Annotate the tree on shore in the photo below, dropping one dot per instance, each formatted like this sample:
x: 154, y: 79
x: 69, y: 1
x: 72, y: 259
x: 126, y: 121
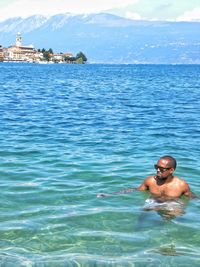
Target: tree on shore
x: 50, y: 51
x: 81, y: 58
x: 69, y: 59
x: 47, y: 54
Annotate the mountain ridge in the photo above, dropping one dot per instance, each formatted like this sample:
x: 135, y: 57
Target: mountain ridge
x: 107, y: 38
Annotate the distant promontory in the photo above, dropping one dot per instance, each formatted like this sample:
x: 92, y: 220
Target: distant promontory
x: 22, y: 53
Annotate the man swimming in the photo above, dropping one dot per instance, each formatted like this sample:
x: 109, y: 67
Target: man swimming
x: 162, y: 185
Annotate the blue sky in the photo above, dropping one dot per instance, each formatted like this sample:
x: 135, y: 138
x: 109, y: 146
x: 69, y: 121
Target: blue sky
x: 173, y: 10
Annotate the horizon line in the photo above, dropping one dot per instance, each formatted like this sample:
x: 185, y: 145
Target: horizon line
x: 97, y: 13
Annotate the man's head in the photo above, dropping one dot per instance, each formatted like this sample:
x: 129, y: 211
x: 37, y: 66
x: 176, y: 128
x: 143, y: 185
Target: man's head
x: 165, y: 166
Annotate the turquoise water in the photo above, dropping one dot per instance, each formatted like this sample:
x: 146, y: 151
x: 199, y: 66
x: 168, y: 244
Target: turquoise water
x: 69, y: 132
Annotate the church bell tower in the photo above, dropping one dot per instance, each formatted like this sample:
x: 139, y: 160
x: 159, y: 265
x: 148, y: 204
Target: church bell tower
x: 18, y: 39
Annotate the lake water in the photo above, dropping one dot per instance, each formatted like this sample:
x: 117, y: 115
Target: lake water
x: 69, y: 132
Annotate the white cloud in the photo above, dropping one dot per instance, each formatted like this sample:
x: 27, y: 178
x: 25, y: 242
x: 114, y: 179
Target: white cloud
x: 131, y: 15
x: 193, y: 15
x: 25, y: 8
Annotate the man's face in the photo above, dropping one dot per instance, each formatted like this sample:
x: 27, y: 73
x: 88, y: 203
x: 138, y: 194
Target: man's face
x: 163, y: 168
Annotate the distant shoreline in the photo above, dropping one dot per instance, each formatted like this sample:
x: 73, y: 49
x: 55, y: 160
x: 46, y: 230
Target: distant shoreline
x: 102, y: 63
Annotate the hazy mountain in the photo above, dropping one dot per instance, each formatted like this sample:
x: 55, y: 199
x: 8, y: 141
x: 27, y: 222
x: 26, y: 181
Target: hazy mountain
x: 108, y: 38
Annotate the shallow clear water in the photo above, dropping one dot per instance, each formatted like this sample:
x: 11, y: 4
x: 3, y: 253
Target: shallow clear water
x: 69, y: 132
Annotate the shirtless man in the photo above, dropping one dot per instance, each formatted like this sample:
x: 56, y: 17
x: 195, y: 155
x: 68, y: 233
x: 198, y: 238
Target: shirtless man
x: 162, y: 185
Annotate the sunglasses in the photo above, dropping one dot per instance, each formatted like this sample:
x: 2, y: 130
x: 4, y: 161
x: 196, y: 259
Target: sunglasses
x: 161, y: 168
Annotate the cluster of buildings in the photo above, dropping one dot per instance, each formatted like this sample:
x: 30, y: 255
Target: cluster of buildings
x: 21, y: 53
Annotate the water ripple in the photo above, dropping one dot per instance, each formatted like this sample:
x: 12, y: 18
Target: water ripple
x: 70, y: 132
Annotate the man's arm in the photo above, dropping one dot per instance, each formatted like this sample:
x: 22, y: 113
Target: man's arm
x: 189, y: 193
x: 124, y: 191
x: 144, y: 185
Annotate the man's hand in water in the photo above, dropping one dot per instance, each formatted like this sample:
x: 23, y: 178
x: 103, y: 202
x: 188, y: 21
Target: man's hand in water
x: 124, y: 191
x: 103, y: 195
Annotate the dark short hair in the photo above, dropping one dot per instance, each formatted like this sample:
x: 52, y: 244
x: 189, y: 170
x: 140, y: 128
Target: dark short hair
x: 172, y: 161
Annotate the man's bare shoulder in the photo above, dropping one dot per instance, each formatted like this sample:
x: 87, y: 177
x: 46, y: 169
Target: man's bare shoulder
x: 150, y: 179
x: 179, y: 180
x: 146, y: 183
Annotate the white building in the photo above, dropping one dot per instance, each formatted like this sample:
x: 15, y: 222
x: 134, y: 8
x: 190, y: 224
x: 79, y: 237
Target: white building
x: 18, y: 52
